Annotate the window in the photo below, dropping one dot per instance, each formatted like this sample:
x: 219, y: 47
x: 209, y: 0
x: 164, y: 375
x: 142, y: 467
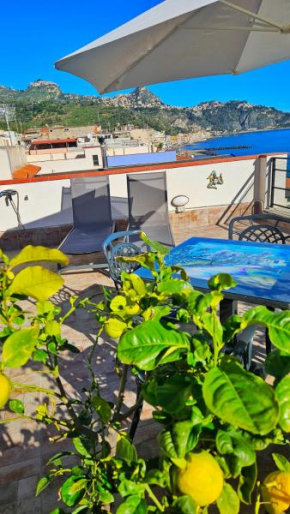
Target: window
x: 96, y: 160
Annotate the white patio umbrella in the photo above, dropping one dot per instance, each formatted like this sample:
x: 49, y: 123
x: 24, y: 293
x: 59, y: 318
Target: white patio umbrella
x: 181, y: 39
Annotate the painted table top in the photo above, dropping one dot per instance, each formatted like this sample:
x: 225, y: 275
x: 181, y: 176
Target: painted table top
x: 262, y: 271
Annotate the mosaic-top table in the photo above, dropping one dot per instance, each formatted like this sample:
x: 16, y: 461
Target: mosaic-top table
x: 262, y: 271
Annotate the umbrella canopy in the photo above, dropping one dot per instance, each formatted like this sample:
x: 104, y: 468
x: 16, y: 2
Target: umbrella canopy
x: 183, y: 39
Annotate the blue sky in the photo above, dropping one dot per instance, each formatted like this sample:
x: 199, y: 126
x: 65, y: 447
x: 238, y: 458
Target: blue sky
x: 35, y: 34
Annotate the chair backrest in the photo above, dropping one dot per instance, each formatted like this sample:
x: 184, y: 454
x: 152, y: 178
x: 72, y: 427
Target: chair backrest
x: 147, y: 196
x: 262, y: 234
x: 118, y: 245
x: 91, y: 201
x: 240, y: 224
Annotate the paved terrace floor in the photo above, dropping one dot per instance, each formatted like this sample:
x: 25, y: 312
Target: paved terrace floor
x: 25, y: 446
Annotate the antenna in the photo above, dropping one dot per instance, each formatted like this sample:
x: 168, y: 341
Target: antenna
x: 8, y: 113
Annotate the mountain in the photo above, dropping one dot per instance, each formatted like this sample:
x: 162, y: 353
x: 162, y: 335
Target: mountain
x: 43, y: 103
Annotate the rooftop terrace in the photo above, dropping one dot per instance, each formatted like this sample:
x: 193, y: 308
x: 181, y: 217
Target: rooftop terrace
x: 25, y: 446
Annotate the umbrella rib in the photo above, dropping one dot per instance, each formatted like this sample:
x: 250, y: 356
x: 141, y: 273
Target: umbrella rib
x: 117, y: 79
x: 246, y: 29
x: 251, y: 14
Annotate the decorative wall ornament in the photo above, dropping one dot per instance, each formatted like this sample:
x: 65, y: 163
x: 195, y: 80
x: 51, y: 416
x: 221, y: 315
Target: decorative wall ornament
x: 215, y: 180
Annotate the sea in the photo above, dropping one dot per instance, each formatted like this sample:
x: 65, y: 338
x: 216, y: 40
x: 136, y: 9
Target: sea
x: 247, y: 143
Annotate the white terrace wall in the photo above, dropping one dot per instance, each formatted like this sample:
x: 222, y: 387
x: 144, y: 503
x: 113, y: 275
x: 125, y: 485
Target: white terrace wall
x: 11, y: 159
x: 48, y: 204
x: 192, y: 181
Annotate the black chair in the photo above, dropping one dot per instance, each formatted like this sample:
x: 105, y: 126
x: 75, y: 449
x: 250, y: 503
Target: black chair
x: 263, y: 234
x: 263, y: 228
x: 260, y: 228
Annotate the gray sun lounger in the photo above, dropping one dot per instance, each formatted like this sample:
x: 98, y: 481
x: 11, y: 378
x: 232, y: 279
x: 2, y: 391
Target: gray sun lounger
x: 148, y: 209
x: 92, y: 216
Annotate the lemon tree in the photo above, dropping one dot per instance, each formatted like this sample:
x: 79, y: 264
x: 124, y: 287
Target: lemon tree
x: 214, y: 416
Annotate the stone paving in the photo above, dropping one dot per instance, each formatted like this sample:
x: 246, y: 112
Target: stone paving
x: 25, y: 446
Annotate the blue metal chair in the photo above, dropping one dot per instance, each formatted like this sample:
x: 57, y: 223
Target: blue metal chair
x: 119, y: 245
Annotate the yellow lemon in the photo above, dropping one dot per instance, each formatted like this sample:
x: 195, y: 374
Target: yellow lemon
x: 276, y: 492
x: 5, y: 389
x: 202, y: 479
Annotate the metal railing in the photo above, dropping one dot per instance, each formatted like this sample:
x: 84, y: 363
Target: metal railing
x: 280, y: 183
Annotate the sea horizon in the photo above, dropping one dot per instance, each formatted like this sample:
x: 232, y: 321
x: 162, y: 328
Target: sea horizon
x: 245, y: 143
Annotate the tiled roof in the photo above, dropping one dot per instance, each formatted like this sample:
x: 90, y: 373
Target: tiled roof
x: 27, y: 171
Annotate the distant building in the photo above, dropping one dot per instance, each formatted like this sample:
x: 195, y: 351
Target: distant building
x: 9, y: 138
x: 49, y: 146
x: 65, y: 155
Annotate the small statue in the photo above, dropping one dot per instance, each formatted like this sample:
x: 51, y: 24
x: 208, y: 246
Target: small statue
x: 215, y: 180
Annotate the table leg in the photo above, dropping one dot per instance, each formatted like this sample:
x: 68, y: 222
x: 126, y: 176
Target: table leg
x: 268, y: 341
x: 227, y: 308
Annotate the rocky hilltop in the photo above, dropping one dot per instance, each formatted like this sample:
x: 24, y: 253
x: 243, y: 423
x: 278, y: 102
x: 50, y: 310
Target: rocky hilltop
x: 43, y: 102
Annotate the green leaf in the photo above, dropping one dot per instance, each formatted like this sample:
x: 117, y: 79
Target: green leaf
x: 80, y: 448
x: 40, y: 356
x: 147, y: 260
x: 103, y: 409
x: 228, y: 393
x: 42, y: 484
x: 184, y: 437
x: 52, y: 328
x: 174, y: 393
x: 16, y: 406
x: 105, y: 496
x: 247, y: 482
x: 228, y: 502
x: 186, y: 505
x: 37, y: 254
x: 114, y: 328
x: 156, y: 477
x: 213, y: 326
x: 133, y: 505
x: 118, y: 303
x: 237, y: 449
x: 221, y: 281
x: 45, y: 307
x: 82, y: 508
x: 132, y: 281
x: 167, y: 445
x: 126, y: 451
x: 37, y: 282
x: 18, y: 347
x: 277, y: 364
x: 175, y: 286
x: 129, y: 488
x: 283, y: 394
x: 154, y: 245
x: 281, y: 462
x: 73, y: 490
x: 58, y: 456
x: 151, y: 344
x: 278, y: 324
x: 224, y: 443
x: 178, y: 441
